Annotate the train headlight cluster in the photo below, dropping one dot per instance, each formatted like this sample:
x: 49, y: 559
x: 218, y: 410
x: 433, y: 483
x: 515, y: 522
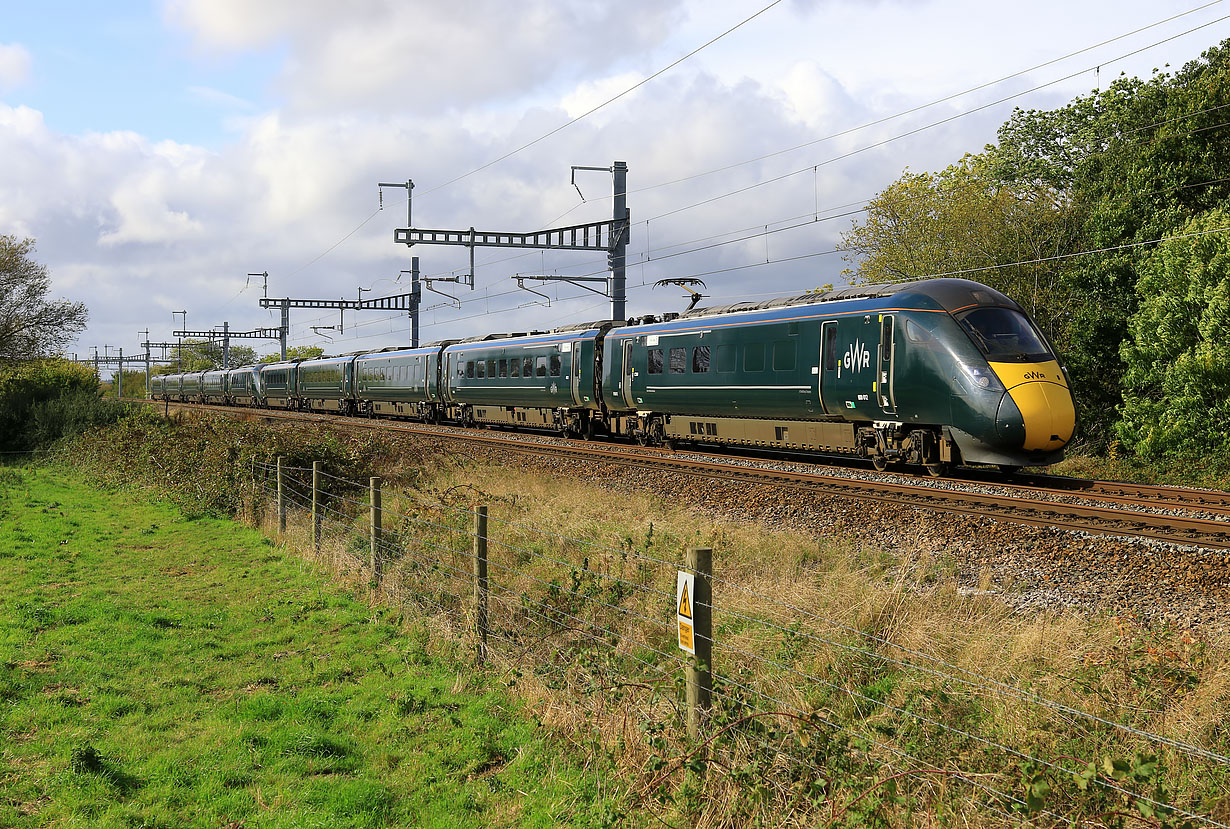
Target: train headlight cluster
x: 983, y: 378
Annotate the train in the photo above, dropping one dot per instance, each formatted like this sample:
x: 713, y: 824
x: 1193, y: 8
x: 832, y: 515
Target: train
x: 935, y: 373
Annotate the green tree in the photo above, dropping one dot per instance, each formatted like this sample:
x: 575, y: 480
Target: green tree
x: 44, y: 400
x: 31, y: 325
x: 203, y: 355
x: 295, y: 352
x: 963, y: 221
x: 1078, y: 195
x: 1177, y: 384
x: 1130, y: 164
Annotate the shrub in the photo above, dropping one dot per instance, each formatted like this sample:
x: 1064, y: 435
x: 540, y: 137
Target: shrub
x: 42, y: 401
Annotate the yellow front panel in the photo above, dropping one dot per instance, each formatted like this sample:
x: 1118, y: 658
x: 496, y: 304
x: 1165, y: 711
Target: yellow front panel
x: 1041, y: 392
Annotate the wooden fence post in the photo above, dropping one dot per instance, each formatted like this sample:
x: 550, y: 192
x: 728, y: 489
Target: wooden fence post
x: 377, y: 530
x: 281, y: 498
x: 480, y: 583
x: 700, y: 668
x: 317, y: 513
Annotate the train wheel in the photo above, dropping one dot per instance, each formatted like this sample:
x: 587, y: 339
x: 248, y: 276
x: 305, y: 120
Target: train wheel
x: 879, y: 462
x: 937, y: 470
x: 1009, y: 469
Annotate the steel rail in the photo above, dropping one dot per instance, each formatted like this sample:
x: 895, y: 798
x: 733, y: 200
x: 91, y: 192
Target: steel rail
x: 1026, y: 506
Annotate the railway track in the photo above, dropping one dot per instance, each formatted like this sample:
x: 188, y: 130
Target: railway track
x: 1166, y: 514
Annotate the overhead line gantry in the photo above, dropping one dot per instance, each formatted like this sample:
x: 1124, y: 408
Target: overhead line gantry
x: 610, y: 235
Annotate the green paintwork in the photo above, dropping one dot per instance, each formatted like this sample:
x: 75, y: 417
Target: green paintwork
x: 561, y: 377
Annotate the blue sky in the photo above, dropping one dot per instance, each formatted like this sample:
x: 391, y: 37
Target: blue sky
x: 159, y: 151
x: 113, y: 66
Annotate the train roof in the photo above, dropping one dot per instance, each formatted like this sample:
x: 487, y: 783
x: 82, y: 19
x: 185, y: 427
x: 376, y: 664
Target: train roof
x: 950, y: 294
x: 561, y: 333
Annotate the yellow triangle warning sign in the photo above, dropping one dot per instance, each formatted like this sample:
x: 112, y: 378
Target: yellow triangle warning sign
x: 685, y: 604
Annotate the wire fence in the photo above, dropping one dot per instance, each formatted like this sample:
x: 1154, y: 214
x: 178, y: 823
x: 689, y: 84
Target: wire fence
x: 806, y: 718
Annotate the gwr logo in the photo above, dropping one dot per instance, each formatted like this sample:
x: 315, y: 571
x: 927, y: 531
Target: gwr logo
x: 857, y: 358
x: 1035, y: 375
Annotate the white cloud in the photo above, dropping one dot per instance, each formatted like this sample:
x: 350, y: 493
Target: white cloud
x: 419, y: 57
x: 14, y: 65
x: 378, y: 90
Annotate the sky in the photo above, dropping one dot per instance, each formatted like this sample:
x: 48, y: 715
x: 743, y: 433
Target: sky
x: 160, y: 151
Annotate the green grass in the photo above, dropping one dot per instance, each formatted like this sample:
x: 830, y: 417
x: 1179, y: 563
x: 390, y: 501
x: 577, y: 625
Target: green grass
x: 161, y: 671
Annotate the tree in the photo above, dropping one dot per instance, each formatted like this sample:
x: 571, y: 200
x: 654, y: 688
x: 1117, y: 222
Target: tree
x: 1089, y: 187
x: 203, y: 355
x: 295, y: 352
x: 43, y: 400
x: 30, y: 324
x: 964, y: 221
x: 1132, y: 163
x: 1177, y: 384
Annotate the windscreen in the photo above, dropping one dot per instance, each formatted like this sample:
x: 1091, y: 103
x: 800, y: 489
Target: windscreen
x: 1004, y: 335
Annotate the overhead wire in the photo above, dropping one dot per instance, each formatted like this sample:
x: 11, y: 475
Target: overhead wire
x: 912, y: 110
x: 812, y: 167
x: 922, y: 128
x: 607, y: 102
x: 775, y: 153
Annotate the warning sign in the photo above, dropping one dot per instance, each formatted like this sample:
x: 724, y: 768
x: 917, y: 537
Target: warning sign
x: 684, y: 590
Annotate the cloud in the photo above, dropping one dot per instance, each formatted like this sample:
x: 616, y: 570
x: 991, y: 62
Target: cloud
x: 14, y: 66
x: 377, y: 90
x: 426, y: 57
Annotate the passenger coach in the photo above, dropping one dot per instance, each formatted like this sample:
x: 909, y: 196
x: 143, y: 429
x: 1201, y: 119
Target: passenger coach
x: 933, y: 372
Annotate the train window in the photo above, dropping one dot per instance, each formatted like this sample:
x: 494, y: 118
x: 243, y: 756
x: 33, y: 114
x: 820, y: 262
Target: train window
x: 655, y: 361
x: 753, y: 357
x: 678, y: 360
x: 516, y: 367
x: 700, y: 359
x: 726, y: 358
x: 491, y: 368
x: 469, y: 368
x: 540, y: 367
x: 915, y: 333
x: 830, y: 346
x: 527, y: 367
x: 783, y: 355
x: 482, y: 368
x: 555, y: 365
x: 503, y: 368
x: 1004, y: 334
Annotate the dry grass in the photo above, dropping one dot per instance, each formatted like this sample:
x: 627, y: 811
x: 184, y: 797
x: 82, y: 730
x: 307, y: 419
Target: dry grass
x: 873, y: 661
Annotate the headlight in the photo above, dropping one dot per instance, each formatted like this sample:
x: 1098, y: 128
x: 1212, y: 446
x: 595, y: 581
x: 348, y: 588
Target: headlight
x: 983, y: 377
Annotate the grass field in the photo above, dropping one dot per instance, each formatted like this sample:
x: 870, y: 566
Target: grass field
x: 157, y: 670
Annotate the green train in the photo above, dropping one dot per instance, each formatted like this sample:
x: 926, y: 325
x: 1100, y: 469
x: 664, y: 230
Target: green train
x: 934, y: 373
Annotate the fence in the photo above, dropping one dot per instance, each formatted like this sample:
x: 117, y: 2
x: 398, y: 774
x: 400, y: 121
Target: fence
x: 783, y: 711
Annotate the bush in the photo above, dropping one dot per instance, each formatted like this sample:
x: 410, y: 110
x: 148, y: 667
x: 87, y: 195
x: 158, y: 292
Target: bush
x: 1177, y: 398
x: 42, y: 401
x: 204, y: 463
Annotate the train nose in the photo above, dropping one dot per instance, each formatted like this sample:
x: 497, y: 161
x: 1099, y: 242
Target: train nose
x: 1041, y: 404
x: 1047, y: 413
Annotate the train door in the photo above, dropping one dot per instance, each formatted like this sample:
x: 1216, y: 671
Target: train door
x: 576, y: 373
x: 850, y: 367
x: 884, y: 384
x: 628, y: 374
x: 828, y: 368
